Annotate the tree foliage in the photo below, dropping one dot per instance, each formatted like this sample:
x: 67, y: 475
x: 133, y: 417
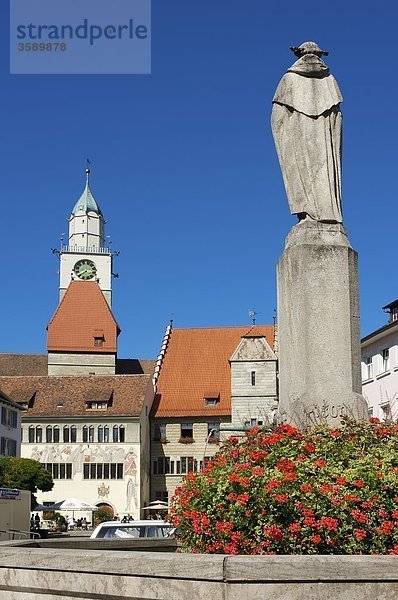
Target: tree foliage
x: 25, y: 474
x: 326, y: 491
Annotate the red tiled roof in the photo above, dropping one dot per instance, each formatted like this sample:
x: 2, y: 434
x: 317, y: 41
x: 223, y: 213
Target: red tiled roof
x: 81, y: 314
x: 126, y: 394
x: 196, y: 362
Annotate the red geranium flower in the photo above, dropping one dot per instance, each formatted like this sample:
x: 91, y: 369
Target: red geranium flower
x: 316, y: 539
x: 360, y: 534
x: 329, y: 523
x: 358, y: 483
x: 274, y: 532
x: 258, y: 471
x: 359, y: 516
x: 306, y: 487
x: 285, y: 465
x: 282, y: 498
x: 341, y: 481
x: 290, y: 477
x: 288, y: 430
x: 242, y: 498
x: 386, y: 527
x: 309, y: 447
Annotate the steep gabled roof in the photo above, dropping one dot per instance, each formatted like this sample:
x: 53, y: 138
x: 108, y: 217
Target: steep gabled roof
x: 196, y: 366
x: 253, y: 348
x: 83, y: 315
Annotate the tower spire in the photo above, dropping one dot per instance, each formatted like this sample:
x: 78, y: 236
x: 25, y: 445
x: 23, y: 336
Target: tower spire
x: 88, y: 171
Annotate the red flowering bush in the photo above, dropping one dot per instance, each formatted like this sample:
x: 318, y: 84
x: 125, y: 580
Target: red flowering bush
x: 326, y: 491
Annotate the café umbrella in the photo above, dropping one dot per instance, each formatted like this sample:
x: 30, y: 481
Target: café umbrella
x: 156, y: 506
x: 73, y: 504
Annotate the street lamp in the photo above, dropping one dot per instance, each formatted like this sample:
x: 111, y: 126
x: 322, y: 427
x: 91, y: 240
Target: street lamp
x: 211, y: 432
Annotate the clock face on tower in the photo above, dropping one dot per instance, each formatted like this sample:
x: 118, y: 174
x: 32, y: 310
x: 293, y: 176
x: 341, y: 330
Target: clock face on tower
x: 85, y: 269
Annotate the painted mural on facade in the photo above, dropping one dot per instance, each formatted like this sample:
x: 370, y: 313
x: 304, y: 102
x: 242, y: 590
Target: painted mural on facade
x: 83, y: 454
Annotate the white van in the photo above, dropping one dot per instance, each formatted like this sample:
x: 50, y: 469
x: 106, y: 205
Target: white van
x: 132, y: 529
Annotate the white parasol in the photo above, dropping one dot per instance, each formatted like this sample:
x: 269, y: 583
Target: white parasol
x: 68, y: 504
x: 156, y: 506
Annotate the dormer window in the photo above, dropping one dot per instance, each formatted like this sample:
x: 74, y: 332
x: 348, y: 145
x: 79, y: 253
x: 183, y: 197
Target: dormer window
x: 99, y: 338
x: 211, y: 401
x: 211, y: 397
x: 96, y: 405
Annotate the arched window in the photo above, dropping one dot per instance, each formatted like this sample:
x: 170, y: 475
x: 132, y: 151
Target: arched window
x: 100, y: 434
x: 39, y: 434
x: 31, y: 434
x: 118, y: 433
x: 65, y: 436
x: 73, y: 434
x: 49, y: 434
x: 85, y: 434
x: 91, y: 434
x: 106, y: 434
x: 56, y: 434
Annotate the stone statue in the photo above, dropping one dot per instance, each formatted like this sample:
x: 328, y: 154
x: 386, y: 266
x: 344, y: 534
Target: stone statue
x: 307, y: 128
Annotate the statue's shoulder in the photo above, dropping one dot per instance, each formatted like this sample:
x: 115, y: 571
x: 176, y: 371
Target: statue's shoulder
x: 309, y: 95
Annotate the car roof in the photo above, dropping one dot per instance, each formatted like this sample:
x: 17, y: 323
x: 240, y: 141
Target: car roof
x: 148, y: 522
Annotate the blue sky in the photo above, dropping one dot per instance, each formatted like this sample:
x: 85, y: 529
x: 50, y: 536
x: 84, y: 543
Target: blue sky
x: 185, y: 170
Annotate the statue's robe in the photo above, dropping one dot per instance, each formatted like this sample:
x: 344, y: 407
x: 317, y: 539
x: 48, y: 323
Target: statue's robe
x: 307, y: 128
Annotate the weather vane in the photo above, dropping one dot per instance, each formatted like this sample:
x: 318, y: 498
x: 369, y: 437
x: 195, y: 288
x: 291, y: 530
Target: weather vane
x: 252, y: 314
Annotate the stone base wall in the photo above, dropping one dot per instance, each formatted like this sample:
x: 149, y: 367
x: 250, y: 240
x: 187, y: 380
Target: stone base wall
x: 42, y: 574
x: 69, y: 363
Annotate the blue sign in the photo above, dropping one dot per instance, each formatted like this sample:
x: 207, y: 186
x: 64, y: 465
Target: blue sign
x: 8, y: 494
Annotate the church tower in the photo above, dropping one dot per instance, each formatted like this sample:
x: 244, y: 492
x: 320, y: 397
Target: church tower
x: 82, y: 333
x: 86, y: 258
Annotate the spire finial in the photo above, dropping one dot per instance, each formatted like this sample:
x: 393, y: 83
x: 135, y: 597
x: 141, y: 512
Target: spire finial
x: 88, y: 171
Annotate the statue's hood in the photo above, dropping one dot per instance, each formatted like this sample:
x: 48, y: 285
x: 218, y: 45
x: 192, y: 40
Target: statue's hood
x: 310, y: 65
